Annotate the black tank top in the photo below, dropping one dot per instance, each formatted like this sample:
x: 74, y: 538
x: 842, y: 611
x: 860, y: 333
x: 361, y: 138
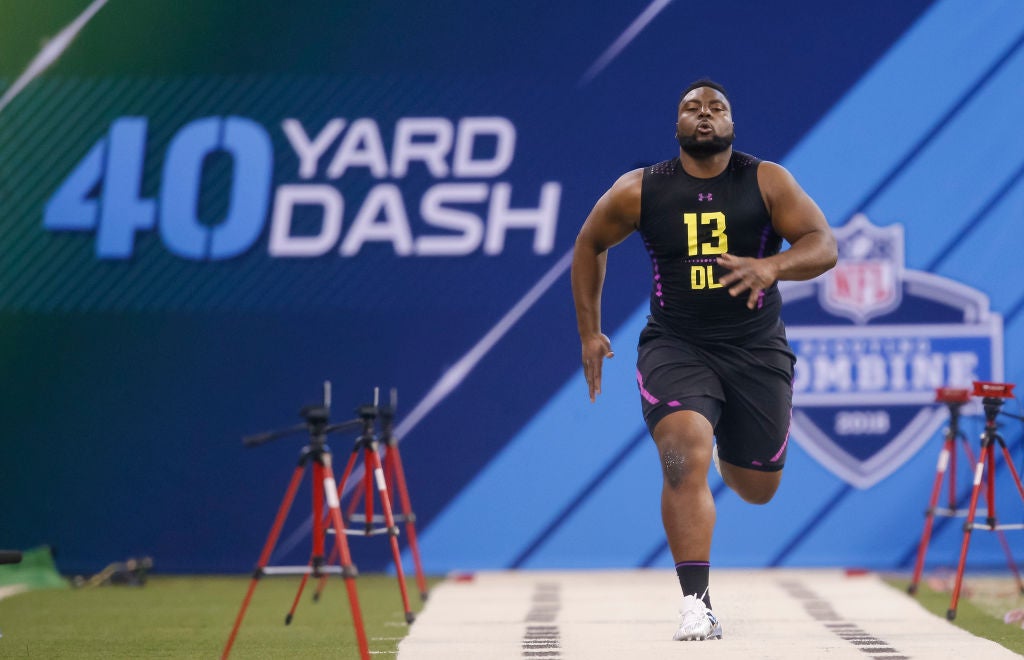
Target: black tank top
x: 686, y: 223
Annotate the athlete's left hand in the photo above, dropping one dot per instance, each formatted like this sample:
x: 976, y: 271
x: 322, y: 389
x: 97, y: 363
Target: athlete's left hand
x: 746, y: 274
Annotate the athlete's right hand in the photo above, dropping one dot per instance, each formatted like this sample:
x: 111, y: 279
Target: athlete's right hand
x: 595, y: 350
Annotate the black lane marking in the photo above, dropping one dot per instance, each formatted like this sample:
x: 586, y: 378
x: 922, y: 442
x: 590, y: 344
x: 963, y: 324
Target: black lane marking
x: 542, y: 638
x: 821, y: 610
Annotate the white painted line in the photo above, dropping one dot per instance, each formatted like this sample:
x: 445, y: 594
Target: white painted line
x: 458, y: 372
x: 620, y: 44
x: 50, y: 53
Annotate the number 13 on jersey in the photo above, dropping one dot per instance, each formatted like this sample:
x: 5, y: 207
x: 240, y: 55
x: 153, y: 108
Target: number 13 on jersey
x: 718, y: 243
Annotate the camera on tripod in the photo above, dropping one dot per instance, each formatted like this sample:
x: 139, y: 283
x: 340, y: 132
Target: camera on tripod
x: 993, y: 390
x: 993, y: 397
x: 952, y: 395
x: 378, y: 476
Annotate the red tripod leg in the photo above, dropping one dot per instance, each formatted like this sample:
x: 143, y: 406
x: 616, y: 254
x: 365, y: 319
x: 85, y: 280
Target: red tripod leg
x: 295, y: 603
x: 268, y: 548
x: 393, y: 460
x: 967, y: 449
x: 951, y: 446
x: 940, y: 471
x: 316, y: 558
x: 1013, y: 471
x: 990, y: 487
x: 348, y: 572
x: 1002, y: 537
x: 979, y: 471
x: 322, y: 582
x: 347, y: 472
x: 357, y: 498
x: 373, y: 461
x: 368, y: 488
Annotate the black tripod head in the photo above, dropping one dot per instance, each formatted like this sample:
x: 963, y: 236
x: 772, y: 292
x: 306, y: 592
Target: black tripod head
x: 315, y: 415
x: 368, y: 414
x: 955, y: 399
x: 993, y: 395
x: 316, y: 424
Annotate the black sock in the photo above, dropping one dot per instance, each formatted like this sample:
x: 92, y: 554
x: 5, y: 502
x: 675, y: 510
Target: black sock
x: 693, y: 578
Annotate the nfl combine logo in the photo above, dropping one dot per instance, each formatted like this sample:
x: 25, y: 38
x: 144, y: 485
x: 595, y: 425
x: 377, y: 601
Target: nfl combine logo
x: 873, y: 340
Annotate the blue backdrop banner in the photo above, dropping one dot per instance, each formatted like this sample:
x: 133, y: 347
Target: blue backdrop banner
x: 210, y: 210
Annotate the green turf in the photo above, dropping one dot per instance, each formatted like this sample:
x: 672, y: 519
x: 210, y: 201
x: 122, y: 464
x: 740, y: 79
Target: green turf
x: 972, y: 616
x: 191, y: 617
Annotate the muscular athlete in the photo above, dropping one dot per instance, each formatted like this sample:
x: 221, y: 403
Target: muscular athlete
x: 713, y: 362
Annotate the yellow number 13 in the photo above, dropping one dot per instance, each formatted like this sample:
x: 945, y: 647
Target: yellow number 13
x: 720, y: 244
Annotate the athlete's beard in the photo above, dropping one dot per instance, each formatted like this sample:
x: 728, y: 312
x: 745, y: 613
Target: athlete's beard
x: 700, y: 149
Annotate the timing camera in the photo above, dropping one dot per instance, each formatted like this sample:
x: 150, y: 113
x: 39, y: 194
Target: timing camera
x: 952, y: 395
x: 993, y: 390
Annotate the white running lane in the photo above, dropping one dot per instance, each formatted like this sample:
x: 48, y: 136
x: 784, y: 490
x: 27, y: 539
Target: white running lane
x: 765, y: 614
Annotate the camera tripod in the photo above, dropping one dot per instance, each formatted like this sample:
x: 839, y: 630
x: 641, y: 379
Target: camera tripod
x: 993, y: 395
x: 394, y: 477
x: 954, y: 399
x: 373, y: 477
x: 324, y: 488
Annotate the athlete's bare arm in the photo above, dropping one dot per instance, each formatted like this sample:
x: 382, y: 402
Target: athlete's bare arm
x: 614, y: 217
x: 796, y: 218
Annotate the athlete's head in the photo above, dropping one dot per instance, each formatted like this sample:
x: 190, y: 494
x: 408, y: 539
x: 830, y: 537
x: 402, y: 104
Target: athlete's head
x: 704, y: 123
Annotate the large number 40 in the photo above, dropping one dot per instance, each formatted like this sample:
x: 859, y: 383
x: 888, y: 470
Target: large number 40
x: 114, y: 166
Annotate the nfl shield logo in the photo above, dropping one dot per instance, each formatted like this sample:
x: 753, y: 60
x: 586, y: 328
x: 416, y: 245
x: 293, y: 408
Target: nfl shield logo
x: 873, y: 341
x: 865, y: 281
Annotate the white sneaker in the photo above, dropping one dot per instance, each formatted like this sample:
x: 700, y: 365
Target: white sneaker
x: 698, y: 622
x: 714, y: 458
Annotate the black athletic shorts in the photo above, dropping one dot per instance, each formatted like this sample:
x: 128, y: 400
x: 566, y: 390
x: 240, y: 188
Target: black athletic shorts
x: 745, y: 391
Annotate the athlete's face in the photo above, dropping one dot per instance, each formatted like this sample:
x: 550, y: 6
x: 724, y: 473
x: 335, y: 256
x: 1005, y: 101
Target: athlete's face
x: 704, y: 126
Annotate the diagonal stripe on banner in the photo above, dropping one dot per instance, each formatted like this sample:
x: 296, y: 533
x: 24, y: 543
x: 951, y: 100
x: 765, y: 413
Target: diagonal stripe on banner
x: 940, y: 124
x: 974, y: 221
x: 50, y: 53
x: 627, y: 37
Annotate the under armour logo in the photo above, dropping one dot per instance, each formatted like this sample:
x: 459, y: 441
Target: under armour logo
x: 702, y: 197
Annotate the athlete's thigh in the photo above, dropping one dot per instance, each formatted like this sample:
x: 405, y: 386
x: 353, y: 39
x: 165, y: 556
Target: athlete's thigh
x: 754, y: 427
x: 672, y: 376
